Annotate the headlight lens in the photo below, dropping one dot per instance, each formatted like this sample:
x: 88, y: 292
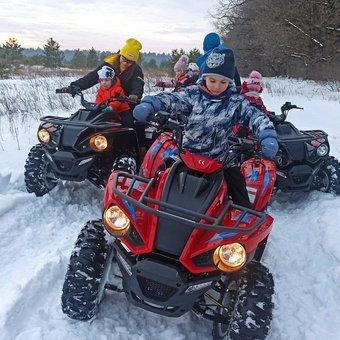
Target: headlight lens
x: 322, y: 150
x: 98, y: 143
x: 230, y: 257
x: 115, y: 221
x: 44, y: 136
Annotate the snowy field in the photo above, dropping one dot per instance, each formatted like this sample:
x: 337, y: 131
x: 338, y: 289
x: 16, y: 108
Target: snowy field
x: 37, y: 237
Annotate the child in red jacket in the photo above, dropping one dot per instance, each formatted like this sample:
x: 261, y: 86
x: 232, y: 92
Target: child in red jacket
x: 110, y: 87
x: 251, y: 89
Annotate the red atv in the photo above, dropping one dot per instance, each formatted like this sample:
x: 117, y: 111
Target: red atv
x: 176, y: 243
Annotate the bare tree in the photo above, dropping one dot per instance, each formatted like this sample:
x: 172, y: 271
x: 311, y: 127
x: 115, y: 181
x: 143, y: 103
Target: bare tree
x: 291, y: 38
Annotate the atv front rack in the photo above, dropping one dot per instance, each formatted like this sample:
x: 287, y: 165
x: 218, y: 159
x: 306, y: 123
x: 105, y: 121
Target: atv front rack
x: 211, y: 223
x: 54, y: 120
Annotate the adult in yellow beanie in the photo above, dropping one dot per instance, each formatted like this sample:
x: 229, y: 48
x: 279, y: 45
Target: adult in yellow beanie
x: 124, y: 63
x: 130, y: 74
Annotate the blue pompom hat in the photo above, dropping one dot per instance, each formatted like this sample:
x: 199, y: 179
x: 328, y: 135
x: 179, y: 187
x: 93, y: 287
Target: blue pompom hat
x: 211, y: 41
x: 220, y: 63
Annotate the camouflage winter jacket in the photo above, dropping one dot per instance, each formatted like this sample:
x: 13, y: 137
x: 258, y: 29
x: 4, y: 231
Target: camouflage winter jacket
x: 211, y: 120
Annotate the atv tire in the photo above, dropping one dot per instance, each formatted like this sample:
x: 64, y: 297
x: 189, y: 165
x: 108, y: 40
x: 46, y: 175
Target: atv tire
x: 328, y: 178
x: 85, y: 271
x: 36, y: 172
x: 247, y: 306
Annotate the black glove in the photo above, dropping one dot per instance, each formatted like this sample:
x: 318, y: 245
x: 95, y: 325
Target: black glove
x: 72, y: 89
x: 133, y: 98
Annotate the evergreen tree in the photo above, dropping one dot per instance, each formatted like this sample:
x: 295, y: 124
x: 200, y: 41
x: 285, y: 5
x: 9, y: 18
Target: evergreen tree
x: 103, y: 55
x: 12, y: 51
x: 92, y: 58
x: 35, y: 59
x: 141, y: 60
x: 79, y: 59
x: 52, y: 56
x: 5, y: 68
x: 165, y: 66
x: 194, y: 55
x: 151, y: 64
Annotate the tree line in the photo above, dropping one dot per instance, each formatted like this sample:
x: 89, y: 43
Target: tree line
x: 12, y: 58
x: 296, y: 38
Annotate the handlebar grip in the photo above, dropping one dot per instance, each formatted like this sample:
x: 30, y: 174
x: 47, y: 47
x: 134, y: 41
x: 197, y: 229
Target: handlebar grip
x: 59, y: 91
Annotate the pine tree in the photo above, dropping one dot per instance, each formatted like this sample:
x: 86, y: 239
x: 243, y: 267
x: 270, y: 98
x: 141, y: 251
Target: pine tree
x: 79, y: 59
x: 92, y: 58
x: 12, y: 51
x: 52, y: 56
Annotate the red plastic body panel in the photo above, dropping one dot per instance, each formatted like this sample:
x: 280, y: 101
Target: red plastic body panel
x: 260, y: 178
x: 260, y: 175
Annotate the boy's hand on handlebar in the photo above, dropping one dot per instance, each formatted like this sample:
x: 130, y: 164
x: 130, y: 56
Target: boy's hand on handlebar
x: 268, y: 141
x: 150, y: 105
x: 142, y: 111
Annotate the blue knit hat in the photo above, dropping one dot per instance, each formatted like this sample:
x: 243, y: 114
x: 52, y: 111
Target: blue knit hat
x: 211, y: 41
x: 220, y: 63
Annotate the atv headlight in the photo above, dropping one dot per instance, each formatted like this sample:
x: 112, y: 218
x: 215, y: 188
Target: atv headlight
x: 322, y: 150
x: 115, y: 221
x: 98, y: 143
x: 230, y: 257
x: 44, y: 136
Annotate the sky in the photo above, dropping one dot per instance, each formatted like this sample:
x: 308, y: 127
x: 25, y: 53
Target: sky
x: 160, y: 26
x: 37, y: 236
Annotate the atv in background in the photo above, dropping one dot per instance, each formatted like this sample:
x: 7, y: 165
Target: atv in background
x: 82, y: 146
x: 177, y: 243
x: 305, y: 163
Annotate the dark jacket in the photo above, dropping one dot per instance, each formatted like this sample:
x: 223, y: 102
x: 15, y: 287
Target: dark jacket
x: 132, y: 82
x: 190, y: 81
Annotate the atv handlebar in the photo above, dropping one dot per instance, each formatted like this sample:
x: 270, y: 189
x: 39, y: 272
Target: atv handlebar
x: 289, y: 106
x: 285, y: 108
x: 94, y: 106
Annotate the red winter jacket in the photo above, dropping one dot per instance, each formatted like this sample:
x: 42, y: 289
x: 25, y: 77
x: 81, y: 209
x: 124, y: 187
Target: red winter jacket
x: 239, y: 130
x: 257, y: 100
x: 103, y: 95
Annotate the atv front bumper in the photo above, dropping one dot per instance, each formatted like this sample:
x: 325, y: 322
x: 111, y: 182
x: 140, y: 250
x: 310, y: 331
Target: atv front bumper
x: 159, y: 286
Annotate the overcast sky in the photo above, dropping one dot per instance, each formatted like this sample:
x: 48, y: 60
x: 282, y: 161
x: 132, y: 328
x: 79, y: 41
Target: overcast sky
x: 160, y: 25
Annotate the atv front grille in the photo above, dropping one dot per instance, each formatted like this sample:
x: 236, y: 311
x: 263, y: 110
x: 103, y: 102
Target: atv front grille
x: 204, y: 259
x: 64, y: 166
x: 156, y: 290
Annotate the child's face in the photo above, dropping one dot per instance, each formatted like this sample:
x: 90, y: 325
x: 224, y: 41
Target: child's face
x: 106, y: 83
x: 216, y: 84
x: 178, y: 73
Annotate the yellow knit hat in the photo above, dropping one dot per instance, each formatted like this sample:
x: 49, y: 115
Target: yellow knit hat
x: 131, y: 49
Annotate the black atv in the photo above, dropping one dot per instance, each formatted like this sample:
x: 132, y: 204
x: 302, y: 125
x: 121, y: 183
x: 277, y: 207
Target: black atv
x: 304, y: 160
x: 82, y: 146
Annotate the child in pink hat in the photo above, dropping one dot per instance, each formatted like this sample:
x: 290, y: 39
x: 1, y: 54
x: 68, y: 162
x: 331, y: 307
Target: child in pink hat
x: 251, y: 89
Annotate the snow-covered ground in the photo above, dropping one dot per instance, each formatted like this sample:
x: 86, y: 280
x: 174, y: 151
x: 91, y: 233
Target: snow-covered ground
x: 37, y: 237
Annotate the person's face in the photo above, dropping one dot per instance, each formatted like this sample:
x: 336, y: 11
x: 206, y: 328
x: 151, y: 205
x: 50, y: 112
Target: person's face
x: 195, y: 73
x: 216, y: 84
x: 178, y: 74
x: 106, y: 83
x: 125, y: 63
